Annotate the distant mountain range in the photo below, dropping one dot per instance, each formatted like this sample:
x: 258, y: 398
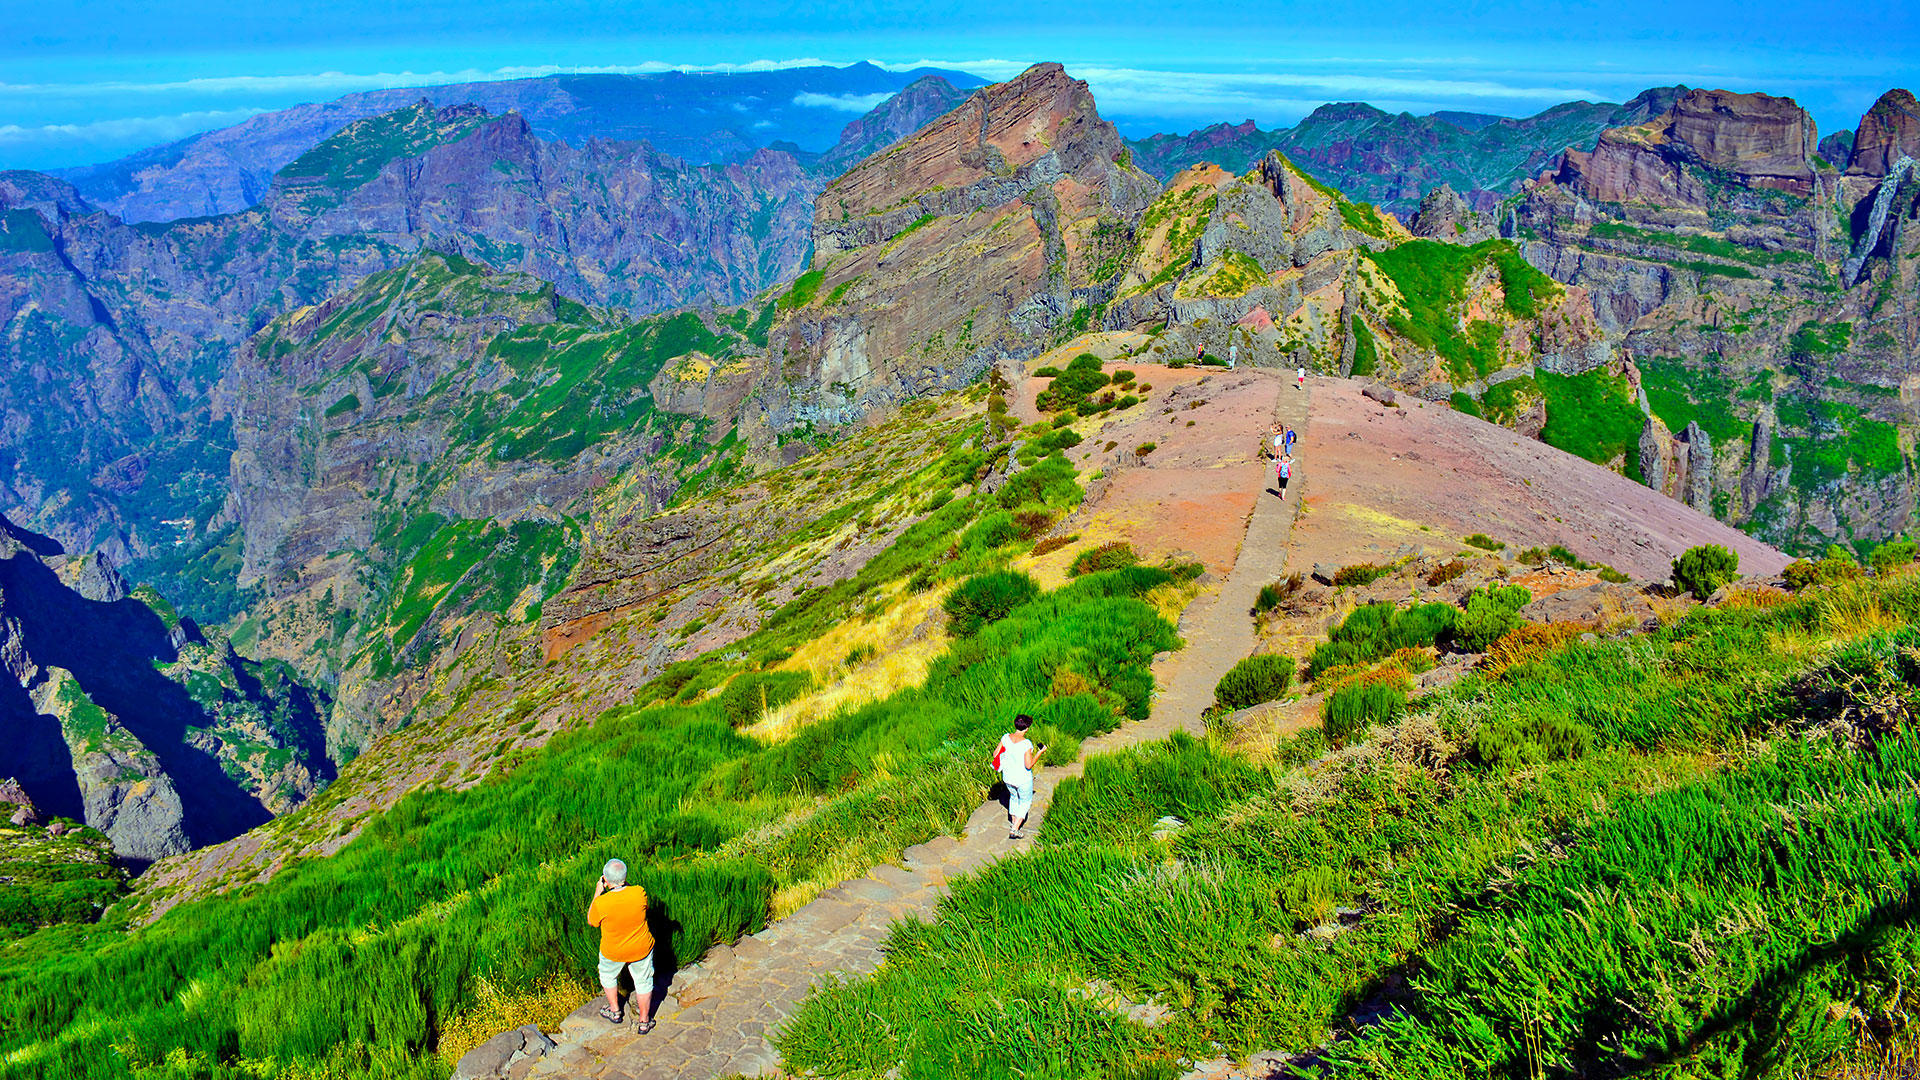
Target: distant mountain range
x: 1392, y: 159
x: 703, y: 118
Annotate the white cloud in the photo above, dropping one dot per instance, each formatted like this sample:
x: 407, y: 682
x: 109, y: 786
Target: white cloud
x: 150, y: 129
x: 857, y: 104
x: 1125, y: 90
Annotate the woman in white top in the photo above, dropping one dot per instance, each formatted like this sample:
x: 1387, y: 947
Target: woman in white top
x: 1015, y: 759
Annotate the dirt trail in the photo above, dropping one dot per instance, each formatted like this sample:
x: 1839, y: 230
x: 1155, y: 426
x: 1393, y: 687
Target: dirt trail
x: 719, y: 1015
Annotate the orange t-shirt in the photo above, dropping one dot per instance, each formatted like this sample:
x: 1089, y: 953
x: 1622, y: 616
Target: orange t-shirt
x: 621, y: 916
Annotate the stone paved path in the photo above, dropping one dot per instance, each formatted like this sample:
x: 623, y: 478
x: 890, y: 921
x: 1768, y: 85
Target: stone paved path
x: 718, y: 1017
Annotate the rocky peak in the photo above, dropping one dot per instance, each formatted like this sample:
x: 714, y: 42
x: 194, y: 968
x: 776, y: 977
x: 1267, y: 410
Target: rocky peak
x: 1444, y: 215
x: 1837, y: 149
x: 1756, y: 140
x: 1764, y: 138
x: 958, y: 246
x: 1889, y: 131
x: 892, y: 120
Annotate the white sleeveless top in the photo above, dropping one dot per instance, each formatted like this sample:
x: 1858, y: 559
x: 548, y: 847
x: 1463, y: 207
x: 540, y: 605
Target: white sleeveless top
x: 1013, y: 761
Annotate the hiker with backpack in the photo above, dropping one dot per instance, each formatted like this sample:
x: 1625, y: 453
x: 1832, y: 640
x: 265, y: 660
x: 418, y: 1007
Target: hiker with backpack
x: 620, y: 911
x: 1014, y: 759
x: 1283, y: 472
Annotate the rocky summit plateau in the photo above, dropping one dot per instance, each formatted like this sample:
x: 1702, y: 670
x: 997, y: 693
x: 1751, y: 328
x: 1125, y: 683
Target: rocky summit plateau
x: 410, y: 502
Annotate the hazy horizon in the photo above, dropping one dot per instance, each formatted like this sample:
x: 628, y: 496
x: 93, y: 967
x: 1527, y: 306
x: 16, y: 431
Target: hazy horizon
x: 76, y: 92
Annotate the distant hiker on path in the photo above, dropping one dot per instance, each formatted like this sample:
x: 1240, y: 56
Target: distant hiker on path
x: 1200, y: 353
x: 1283, y: 472
x: 1233, y: 356
x: 1015, y: 758
x: 620, y: 911
x: 1301, y: 384
x: 1286, y: 442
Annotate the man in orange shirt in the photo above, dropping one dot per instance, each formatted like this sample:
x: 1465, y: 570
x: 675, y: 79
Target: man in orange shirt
x: 620, y: 911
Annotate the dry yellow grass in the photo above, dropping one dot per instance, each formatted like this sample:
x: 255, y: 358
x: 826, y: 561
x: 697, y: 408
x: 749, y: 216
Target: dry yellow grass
x: 898, y: 661
x: 496, y: 1009
x: 1531, y: 640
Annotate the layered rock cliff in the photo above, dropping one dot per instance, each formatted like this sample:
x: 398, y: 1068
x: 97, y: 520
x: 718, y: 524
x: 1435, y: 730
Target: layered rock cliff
x: 1767, y: 301
x: 977, y: 239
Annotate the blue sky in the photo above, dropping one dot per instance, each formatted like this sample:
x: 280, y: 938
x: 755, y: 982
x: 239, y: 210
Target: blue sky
x: 90, y: 80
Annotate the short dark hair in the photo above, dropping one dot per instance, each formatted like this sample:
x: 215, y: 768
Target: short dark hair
x: 1023, y: 722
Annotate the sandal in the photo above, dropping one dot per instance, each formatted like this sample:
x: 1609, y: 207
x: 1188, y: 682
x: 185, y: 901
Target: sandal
x: 611, y: 1015
x: 643, y: 1026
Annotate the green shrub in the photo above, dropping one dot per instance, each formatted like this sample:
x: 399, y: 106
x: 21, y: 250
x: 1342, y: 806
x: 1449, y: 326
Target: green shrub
x: 992, y: 531
x: 1275, y: 593
x: 1894, y: 555
x: 1048, y: 372
x: 1358, y: 574
x: 1489, y: 612
x: 1070, y: 388
x: 1802, y: 573
x: 986, y: 599
x: 1484, y: 542
x: 1109, y: 556
x: 1533, y: 556
x: 1530, y: 741
x: 750, y: 695
x: 1254, y: 680
x: 1703, y: 569
x: 1373, y: 631
x: 1353, y: 708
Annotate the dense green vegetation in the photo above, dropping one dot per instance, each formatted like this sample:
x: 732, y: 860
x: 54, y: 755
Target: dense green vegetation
x: 1613, y: 856
x: 358, y: 152
x: 470, y: 566
x: 1432, y: 279
x: 1372, y: 631
x: 1680, y: 394
x: 1366, y: 351
x: 1837, y: 438
x: 1595, y: 416
x: 46, y: 880
x: 1700, y: 245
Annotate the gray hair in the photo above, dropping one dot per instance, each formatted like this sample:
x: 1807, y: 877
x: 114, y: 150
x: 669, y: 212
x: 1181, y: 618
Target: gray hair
x: 615, y: 872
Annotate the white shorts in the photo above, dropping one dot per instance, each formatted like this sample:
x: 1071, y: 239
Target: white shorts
x: 642, y: 970
x: 1019, y: 799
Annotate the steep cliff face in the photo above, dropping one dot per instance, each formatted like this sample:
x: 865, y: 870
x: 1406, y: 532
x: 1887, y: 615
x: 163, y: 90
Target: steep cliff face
x: 119, y: 714
x: 1690, y: 153
x: 1768, y: 304
x: 974, y: 240
x: 114, y: 334
x: 1889, y: 131
x: 416, y: 460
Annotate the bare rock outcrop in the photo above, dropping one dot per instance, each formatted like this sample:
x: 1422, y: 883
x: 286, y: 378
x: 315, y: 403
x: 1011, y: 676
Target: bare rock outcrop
x: 1889, y: 131
x: 963, y: 245
x: 1445, y: 216
x: 1760, y: 140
